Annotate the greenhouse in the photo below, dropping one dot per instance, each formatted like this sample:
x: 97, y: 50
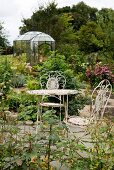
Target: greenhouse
x: 30, y: 43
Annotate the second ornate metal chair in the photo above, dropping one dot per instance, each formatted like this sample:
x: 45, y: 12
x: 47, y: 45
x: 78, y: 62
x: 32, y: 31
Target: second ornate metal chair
x: 100, y: 97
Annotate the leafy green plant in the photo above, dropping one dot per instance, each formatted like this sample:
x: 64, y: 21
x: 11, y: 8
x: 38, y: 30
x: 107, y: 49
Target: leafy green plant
x: 76, y: 103
x: 15, y: 100
x: 5, y: 76
x: 101, y: 155
x: 27, y: 113
x: 18, y: 80
x: 33, y: 84
x: 54, y: 62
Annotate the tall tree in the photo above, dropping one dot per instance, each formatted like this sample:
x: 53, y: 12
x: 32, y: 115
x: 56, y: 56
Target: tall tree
x: 47, y: 20
x: 3, y: 39
x: 90, y: 38
x: 82, y: 14
x: 41, y: 20
x: 105, y: 18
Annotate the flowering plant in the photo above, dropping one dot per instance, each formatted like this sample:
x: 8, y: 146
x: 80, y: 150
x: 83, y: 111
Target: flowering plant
x: 98, y: 73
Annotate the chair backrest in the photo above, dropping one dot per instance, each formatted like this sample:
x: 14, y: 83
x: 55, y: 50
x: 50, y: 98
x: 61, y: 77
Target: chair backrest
x: 53, y: 80
x: 100, y: 97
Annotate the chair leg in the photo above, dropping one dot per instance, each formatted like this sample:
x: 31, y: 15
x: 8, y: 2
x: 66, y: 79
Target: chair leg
x: 65, y: 112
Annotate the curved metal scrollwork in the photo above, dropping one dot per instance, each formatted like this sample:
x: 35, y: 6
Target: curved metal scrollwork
x: 100, y: 97
x: 53, y: 80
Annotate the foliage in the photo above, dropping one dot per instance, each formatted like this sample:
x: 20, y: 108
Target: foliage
x: 13, y: 101
x: 17, y: 100
x: 5, y: 76
x: 54, y: 62
x: 27, y: 113
x: 33, y: 84
x: 65, y: 28
x: 19, y: 64
x: 42, y: 19
x: 101, y: 154
x: 90, y: 38
x: 3, y: 39
x: 105, y: 18
x: 18, y: 80
x: 60, y: 23
x: 82, y: 14
x: 68, y: 50
x: 76, y: 103
x: 98, y: 73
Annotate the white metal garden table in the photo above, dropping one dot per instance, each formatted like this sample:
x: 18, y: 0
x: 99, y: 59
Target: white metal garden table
x: 59, y: 92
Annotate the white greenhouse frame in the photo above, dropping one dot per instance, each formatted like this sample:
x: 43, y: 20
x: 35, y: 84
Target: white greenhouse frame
x: 32, y: 40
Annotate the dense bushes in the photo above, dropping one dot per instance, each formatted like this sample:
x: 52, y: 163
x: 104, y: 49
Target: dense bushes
x: 24, y: 104
x: 98, y: 73
x: 5, y: 76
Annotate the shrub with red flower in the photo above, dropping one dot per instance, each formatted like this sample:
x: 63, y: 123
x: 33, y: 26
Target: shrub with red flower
x: 98, y: 73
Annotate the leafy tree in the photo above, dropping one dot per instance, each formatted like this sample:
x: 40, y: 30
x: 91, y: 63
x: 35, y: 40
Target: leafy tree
x: 79, y: 27
x: 105, y: 18
x: 3, y: 39
x: 41, y: 20
x: 65, y: 9
x: 82, y: 14
x: 63, y: 30
x: 90, y: 38
x: 46, y: 20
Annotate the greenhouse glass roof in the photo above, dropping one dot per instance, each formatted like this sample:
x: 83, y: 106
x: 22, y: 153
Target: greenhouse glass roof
x: 35, y: 36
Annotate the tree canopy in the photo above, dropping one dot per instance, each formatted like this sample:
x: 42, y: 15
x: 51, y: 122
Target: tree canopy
x: 81, y: 27
x: 3, y: 39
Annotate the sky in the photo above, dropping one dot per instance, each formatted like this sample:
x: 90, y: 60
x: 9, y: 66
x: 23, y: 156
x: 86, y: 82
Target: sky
x: 13, y: 11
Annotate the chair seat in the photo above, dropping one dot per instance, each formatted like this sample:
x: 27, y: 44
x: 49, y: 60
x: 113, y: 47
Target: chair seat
x: 46, y: 104
x: 80, y: 121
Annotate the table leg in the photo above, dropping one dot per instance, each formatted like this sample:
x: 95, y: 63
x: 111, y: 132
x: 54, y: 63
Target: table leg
x: 66, y: 109
x: 60, y: 108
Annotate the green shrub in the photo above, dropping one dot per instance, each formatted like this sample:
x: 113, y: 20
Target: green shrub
x: 33, y: 84
x: 15, y: 100
x: 27, y: 113
x: 76, y: 103
x: 5, y: 76
x: 18, y: 80
x: 101, y: 154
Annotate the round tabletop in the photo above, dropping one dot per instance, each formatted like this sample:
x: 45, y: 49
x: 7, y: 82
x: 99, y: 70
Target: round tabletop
x: 53, y: 92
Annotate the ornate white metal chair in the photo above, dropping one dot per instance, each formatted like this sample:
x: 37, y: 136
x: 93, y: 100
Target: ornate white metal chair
x: 53, y: 80
x: 99, y: 98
